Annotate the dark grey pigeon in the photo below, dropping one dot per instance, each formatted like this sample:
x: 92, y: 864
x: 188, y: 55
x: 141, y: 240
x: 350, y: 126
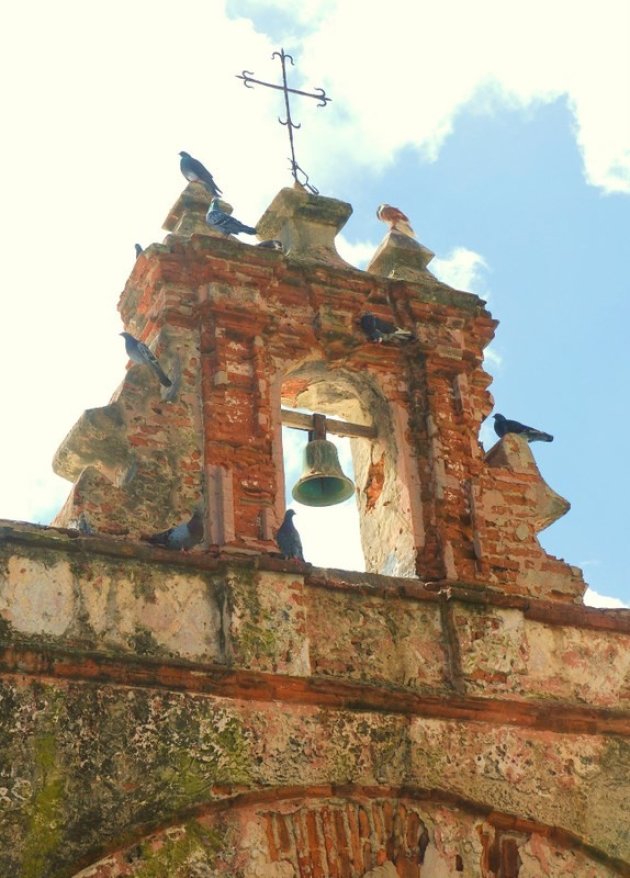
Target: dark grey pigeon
x: 195, y: 172
x: 139, y: 249
x: 288, y: 538
x: 138, y: 352
x: 380, y: 330
x: 183, y: 536
x: 83, y: 525
x: 271, y: 244
x: 225, y: 223
x: 503, y: 425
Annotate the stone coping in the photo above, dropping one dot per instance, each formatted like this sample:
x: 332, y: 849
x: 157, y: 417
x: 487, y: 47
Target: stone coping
x: 426, y: 287
x: 243, y: 557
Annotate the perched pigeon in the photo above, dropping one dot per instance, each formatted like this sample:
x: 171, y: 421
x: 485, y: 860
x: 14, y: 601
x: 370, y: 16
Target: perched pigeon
x: 138, y: 352
x: 83, y: 525
x: 288, y: 538
x: 502, y: 426
x: 379, y: 330
x: 271, y: 244
x: 396, y: 219
x: 139, y: 249
x: 195, y: 172
x: 183, y: 536
x: 225, y: 223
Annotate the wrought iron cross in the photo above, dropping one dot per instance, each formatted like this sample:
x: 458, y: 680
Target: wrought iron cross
x: 319, y: 94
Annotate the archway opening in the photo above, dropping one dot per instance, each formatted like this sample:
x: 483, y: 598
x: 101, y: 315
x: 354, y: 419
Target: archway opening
x: 331, y: 535
x: 376, y: 457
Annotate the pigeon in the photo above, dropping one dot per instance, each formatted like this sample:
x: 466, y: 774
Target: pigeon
x: 271, y: 244
x: 502, y: 426
x: 195, y: 172
x: 138, y: 352
x: 379, y: 330
x: 183, y: 536
x: 288, y: 538
x: 396, y: 219
x: 139, y: 249
x: 225, y: 223
x: 83, y: 525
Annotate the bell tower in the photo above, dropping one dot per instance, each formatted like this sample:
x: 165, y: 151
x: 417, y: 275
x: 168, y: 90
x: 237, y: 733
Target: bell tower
x: 247, y: 333
x: 454, y: 710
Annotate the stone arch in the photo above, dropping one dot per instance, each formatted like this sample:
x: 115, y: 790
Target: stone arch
x: 385, y: 471
x: 325, y: 832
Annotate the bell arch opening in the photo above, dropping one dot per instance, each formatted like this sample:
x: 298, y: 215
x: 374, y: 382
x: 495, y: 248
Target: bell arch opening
x: 385, y: 476
x: 357, y: 833
x: 330, y: 535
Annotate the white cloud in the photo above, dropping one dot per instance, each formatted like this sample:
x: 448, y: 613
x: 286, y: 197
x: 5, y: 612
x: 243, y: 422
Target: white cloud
x: 594, y: 599
x: 463, y: 269
x: 466, y: 270
x: 404, y: 82
x: 358, y: 253
x: 493, y: 358
x: 106, y: 173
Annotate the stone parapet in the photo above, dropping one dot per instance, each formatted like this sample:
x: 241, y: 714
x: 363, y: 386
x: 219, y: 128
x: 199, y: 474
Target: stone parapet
x: 204, y: 706
x: 263, y: 614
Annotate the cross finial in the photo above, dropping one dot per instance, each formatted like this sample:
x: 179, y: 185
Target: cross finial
x: 319, y: 94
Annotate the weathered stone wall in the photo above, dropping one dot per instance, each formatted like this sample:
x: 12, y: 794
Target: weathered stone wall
x: 196, y: 714
x: 226, y: 713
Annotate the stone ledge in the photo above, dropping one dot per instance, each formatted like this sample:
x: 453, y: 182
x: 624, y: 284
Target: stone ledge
x: 358, y: 582
x: 222, y: 682
x: 260, y: 614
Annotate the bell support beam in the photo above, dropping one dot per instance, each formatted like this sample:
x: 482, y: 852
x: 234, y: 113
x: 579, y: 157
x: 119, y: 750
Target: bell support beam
x: 301, y: 421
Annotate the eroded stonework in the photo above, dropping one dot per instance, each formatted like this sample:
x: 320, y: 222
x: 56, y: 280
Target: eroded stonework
x: 243, y: 331
x: 354, y: 837
x: 453, y: 711
x: 166, y: 712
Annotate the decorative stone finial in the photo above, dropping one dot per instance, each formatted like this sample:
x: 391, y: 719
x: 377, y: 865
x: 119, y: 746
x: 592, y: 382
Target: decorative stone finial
x: 306, y: 224
x: 98, y: 436
x: 188, y: 215
x: 400, y: 255
x: 540, y: 505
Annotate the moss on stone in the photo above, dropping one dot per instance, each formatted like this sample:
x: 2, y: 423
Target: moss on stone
x: 45, y: 817
x: 6, y: 630
x: 144, y: 643
x: 197, y: 845
x: 255, y: 635
x: 256, y: 640
x: 143, y: 585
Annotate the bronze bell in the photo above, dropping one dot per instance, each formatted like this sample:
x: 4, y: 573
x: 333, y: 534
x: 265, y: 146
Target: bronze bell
x: 322, y: 482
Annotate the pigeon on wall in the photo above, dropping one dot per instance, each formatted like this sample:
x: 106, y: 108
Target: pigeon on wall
x: 139, y: 353
x: 183, y: 536
x: 195, y: 172
x: 288, y: 538
x: 395, y: 219
x: 83, y: 525
x: 223, y: 222
x: 503, y: 425
x: 139, y: 249
x: 378, y: 330
x: 271, y: 244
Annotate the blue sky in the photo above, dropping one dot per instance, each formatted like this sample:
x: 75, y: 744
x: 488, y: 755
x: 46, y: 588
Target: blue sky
x: 506, y: 142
